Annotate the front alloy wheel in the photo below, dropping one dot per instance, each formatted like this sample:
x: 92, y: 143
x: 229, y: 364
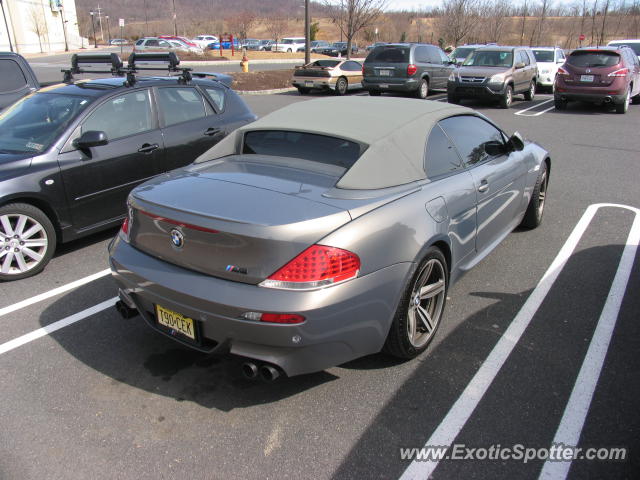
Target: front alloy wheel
x: 507, y: 97
x: 27, y: 241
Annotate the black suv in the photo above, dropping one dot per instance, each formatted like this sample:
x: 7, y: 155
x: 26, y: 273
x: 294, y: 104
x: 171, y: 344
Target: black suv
x: 16, y: 78
x: 71, y: 153
x: 412, y: 68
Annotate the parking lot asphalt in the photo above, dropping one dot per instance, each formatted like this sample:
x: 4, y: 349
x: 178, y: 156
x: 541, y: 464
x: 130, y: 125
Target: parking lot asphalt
x: 105, y: 397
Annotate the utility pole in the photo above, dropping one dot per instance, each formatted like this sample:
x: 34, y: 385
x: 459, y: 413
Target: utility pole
x: 175, y: 21
x: 6, y: 25
x: 64, y: 29
x: 108, y: 28
x: 307, y: 33
x: 93, y: 26
x: 99, y: 10
x: 146, y: 20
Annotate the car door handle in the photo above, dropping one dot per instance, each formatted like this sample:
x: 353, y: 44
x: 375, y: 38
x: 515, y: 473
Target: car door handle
x: 148, y: 148
x: 212, y: 131
x: 484, y: 186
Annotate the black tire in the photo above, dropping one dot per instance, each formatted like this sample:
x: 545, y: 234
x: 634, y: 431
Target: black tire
x: 398, y: 342
x: 423, y: 89
x: 375, y: 93
x: 452, y: 99
x: 22, y: 263
x: 559, y: 104
x: 624, y: 106
x: 507, y: 97
x: 535, y: 209
x: 303, y: 90
x: 342, y: 86
x: 289, y: 50
x: 531, y: 93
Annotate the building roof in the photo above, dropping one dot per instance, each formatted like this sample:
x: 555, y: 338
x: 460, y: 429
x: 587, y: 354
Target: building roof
x: 394, y: 131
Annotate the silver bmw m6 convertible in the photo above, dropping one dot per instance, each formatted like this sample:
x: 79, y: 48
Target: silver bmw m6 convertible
x: 325, y: 231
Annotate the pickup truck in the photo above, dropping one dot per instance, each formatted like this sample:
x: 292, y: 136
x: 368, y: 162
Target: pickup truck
x: 16, y: 78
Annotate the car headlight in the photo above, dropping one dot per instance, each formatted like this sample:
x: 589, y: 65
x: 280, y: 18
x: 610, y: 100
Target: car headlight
x: 452, y: 77
x: 499, y: 78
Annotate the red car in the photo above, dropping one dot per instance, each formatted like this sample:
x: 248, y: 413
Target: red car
x: 604, y: 74
x: 182, y: 39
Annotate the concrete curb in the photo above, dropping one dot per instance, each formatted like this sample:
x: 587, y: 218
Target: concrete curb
x: 265, y: 92
x: 255, y: 62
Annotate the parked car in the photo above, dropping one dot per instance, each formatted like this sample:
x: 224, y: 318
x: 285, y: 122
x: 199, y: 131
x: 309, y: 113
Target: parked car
x: 338, y: 48
x: 387, y: 204
x: 226, y: 45
x: 250, y: 44
x: 179, y: 46
x: 495, y: 73
x: 184, y: 40
x: 412, y: 68
x: 118, y: 41
x: 203, y: 41
x: 17, y: 79
x: 338, y: 76
x: 315, y: 46
x: 374, y: 45
x: 288, y: 44
x: 601, y: 74
x: 71, y: 153
x: 461, y: 53
x: 151, y: 43
x: 633, y: 44
x: 265, y: 45
x: 548, y: 60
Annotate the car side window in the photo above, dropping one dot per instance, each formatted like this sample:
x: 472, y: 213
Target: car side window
x: 217, y: 97
x: 433, y: 56
x: 164, y: 44
x: 421, y: 55
x: 122, y: 116
x: 179, y: 105
x: 12, y: 76
x: 472, y: 136
x: 523, y: 57
x: 443, y: 56
x: 152, y: 43
x: 441, y: 157
x: 351, y: 66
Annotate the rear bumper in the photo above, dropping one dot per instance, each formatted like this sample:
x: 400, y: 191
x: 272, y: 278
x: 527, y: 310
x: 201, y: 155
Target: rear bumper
x: 465, y: 90
x: 589, y: 97
x: 382, y: 84
x: 315, y: 82
x: 614, y: 92
x: 342, y: 322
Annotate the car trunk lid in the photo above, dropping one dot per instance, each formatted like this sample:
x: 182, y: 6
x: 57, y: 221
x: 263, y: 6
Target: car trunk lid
x: 591, y: 68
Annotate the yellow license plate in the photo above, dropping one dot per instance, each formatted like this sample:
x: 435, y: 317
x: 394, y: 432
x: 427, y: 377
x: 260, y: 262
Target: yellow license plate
x: 176, y: 321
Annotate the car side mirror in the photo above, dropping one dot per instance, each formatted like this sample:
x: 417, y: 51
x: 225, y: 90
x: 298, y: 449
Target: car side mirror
x: 520, y: 65
x: 516, y: 142
x: 91, y: 138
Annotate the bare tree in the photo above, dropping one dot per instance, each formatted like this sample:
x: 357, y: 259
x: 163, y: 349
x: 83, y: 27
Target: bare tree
x: 525, y: 12
x: 352, y: 16
x: 543, y: 15
x: 241, y: 23
x: 605, y: 10
x: 38, y: 24
x: 459, y: 18
x: 495, y: 12
x: 276, y: 26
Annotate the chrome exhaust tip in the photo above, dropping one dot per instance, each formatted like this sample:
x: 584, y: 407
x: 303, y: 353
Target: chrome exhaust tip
x: 269, y: 373
x: 249, y: 370
x: 125, y: 311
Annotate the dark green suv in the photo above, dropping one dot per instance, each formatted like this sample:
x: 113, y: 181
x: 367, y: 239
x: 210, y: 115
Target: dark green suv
x: 412, y: 68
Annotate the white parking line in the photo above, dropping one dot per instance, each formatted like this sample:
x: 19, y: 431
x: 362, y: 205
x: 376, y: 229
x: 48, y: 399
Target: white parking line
x: 53, y: 293
x: 522, y: 112
x: 577, y: 407
x: 65, y: 322
x: 462, y: 409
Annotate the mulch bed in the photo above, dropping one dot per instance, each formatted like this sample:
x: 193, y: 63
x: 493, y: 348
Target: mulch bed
x: 265, y: 80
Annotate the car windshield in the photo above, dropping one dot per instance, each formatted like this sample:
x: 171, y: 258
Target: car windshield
x: 306, y: 146
x: 586, y: 58
x: 484, y: 58
x: 325, y: 63
x: 32, y: 124
x: 543, y: 55
x: 389, y: 54
x: 462, y: 52
x: 635, y: 46
x: 340, y: 44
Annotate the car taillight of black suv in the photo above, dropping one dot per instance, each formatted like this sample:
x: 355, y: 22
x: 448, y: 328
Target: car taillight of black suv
x: 605, y: 74
x: 407, y: 68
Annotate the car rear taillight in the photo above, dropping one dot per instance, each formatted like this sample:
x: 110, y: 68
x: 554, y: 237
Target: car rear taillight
x: 282, y: 318
x: 411, y: 69
x: 362, y: 69
x: 318, y: 266
x: 125, y: 229
x: 562, y: 71
x: 623, y: 72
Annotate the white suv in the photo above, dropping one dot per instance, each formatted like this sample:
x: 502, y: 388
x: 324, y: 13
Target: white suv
x: 548, y: 60
x: 203, y: 41
x: 633, y: 44
x: 289, y: 44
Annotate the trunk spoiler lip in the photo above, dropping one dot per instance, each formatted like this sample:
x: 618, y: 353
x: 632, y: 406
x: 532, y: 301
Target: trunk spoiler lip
x: 177, y: 223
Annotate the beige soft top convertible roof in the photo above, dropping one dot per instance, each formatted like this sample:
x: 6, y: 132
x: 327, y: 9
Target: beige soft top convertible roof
x: 395, y: 131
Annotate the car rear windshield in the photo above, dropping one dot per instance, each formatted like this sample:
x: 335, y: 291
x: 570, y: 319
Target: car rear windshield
x: 484, y: 58
x: 325, y: 63
x: 600, y: 58
x: 386, y: 54
x: 306, y: 146
x: 635, y: 46
x: 32, y: 124
x: 543, y: 55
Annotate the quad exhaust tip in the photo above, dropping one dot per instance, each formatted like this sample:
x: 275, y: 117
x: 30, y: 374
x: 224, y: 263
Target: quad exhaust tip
x: 125, y: 311
x: 250, y: 370
x: 267, y: 372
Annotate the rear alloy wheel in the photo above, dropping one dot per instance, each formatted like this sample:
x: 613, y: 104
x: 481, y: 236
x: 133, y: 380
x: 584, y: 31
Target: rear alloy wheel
x: 533, y: 216
x: 289, y: 51
x: 559, y: 104
x: 27, y: 241
x: 624, y: 106
x: 529, y: 94
x: 303, y: 90
x: 342, y: 86
x: 423, y: 89
x: 420, y: 310
x: 507, y: 97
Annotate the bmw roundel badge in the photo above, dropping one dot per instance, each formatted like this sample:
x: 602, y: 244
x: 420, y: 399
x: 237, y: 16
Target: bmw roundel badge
x: 177, y: 238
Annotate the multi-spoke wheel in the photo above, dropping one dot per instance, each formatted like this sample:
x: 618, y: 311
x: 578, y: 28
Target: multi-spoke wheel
x: 533, y: 216
x: 27, y: 241
x: 420, y: 310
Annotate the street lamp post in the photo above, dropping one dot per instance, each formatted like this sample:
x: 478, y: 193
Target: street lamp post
x: 64, y: 30
x: 108, y: 28
x: 307, y: 34
x: 93, y: 27
x: 175, y: 21
x: 6, y: 25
